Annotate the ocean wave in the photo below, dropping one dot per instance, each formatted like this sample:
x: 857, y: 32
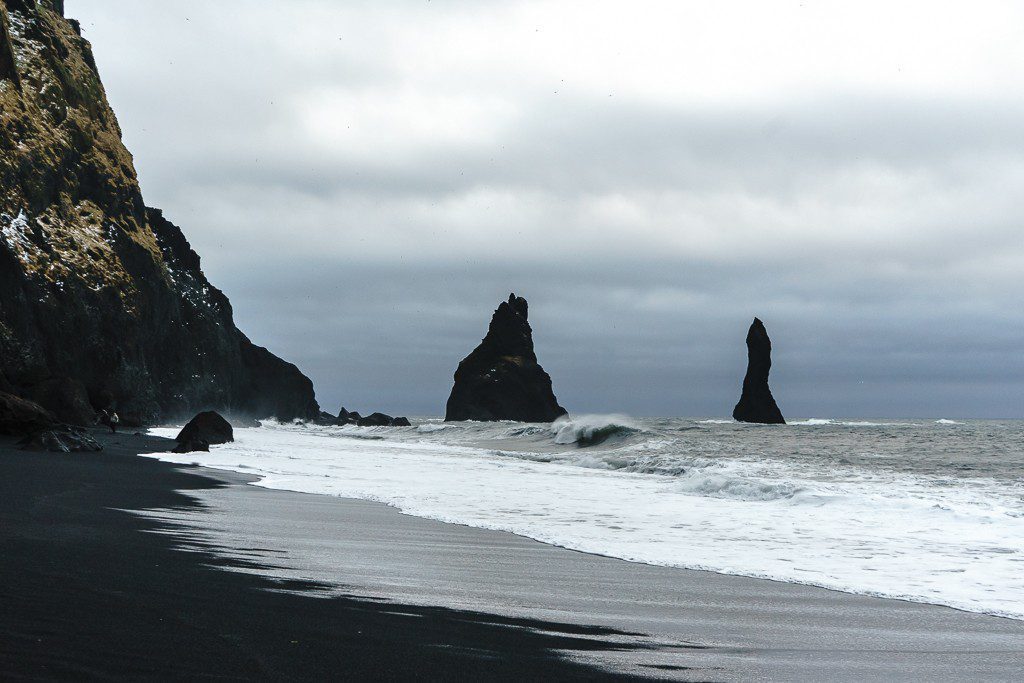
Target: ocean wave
x: 944, y: 421
x: 590, y: 430
x: 735, y: 488
x: 526, y: 430
x: 431, y: 428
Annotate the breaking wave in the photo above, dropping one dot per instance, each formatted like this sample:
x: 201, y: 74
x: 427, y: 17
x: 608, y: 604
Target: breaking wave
x: 590, y: 430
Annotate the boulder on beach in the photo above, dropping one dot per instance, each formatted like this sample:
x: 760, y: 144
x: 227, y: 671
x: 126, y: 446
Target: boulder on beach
x: 401, y: 422
x: 756, y: 402
x: 208, y: 426
x: 19, y: 416
x: 501, y: 379
x: 192, y: 445
x: 61, y: 440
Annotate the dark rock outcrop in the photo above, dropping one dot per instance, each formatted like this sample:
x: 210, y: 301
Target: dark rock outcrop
x: 375, y: 420
x: 61, y: 440
x: 501, y: 379
x: 95, y: 286
x: 192, y: 445
x: 756, y: 402
x: 347, y: 418
x: 207, y: 426
x: 19, y: 416
x: 66, y: 398
x: 382, y: 420
x: 372, y: 420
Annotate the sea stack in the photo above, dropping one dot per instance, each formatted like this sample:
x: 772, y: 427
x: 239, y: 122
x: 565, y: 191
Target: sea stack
x: 501, y: 379
x: 757, y: 403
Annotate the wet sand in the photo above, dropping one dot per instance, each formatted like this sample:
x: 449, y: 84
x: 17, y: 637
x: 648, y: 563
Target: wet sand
x: 86, y: 592
x: 286, y: 585
x: 690, y: 625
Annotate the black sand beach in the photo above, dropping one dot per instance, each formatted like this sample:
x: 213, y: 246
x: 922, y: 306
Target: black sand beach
x: 88, y: 594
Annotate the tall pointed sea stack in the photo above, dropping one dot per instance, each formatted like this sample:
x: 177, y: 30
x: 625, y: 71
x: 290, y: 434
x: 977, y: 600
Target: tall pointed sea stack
x: 501, y: 379
x: 757, y: 403
x: 100, y: 296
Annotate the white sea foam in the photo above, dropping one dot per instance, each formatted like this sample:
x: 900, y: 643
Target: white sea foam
x: 734, y: 487
x: 881, y: 515
x: 825, y: 422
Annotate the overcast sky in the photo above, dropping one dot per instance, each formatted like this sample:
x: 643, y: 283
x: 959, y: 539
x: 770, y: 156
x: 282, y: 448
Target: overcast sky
x: 367, y: 180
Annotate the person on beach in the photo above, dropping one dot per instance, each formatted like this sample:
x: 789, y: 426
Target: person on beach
x: 110, y: 419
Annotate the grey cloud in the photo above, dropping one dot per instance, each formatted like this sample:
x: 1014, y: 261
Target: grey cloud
x: 876, y: 233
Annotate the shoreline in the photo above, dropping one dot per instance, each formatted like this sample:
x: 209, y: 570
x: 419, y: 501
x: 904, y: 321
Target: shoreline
x: 253, y: 481
x: 728, y: 627
x: 258, y: 567
x: 884, y: 574
x: 90, y: 591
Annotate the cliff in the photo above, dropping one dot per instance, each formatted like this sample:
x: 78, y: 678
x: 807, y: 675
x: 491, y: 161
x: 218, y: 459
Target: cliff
x: 501, y: 379
x: 756, y: 402
x: 96, y: 289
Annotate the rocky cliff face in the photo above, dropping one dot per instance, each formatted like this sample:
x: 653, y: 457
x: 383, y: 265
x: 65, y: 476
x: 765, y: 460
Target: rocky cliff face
x: 756, y: 402
x: 501, y: 379
x: 96, y: 289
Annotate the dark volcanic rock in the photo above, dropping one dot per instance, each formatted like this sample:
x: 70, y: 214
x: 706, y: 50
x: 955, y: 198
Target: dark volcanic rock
x: 209, y: 427
x: 62, y: 440
x: 375, y: 420
x: 501, y: 379
x: 130, y: 421
x: 94, y: 286
x: 18, y: 416
x: 191, y: 446
x: 346, y: 418
x: 66, y: 398
x: 756, y: 403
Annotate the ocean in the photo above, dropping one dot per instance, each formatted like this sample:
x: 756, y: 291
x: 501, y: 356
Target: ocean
x: 924, y: 510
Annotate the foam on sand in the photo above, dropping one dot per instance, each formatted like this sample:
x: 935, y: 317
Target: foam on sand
x: 828, y: 508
